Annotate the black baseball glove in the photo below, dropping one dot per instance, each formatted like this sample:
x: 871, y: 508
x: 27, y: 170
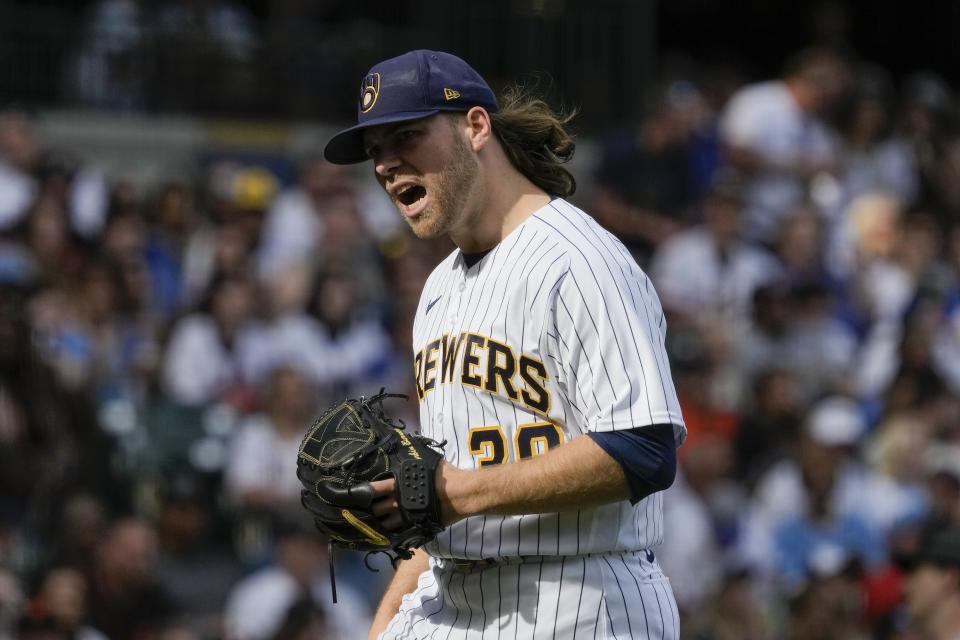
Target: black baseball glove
x: 351, y: 444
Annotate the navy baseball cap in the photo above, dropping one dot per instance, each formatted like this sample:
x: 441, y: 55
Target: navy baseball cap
x: 414, y: 85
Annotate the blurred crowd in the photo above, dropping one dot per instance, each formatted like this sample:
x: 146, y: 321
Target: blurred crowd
x: 804, y: 235
x: 163, y: 347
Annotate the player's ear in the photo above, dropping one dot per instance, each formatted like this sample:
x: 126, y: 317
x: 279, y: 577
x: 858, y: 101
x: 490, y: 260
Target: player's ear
x: 479, y: 129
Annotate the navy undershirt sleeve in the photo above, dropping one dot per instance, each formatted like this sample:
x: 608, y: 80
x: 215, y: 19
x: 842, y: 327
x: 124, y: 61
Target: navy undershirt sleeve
x: 648, y: 456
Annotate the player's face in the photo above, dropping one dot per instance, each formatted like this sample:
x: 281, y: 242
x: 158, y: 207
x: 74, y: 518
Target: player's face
x: 428, y: 171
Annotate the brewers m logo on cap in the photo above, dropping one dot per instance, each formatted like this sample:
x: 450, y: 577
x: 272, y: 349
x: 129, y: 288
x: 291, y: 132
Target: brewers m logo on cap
x: 369, y: 92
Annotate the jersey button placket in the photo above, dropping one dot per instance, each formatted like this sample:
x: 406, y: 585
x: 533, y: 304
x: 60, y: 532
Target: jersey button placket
x: 453, y: 311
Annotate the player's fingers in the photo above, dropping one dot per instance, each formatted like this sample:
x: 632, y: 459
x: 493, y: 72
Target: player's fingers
x: 384, y: 507
x: 392, y: 521
x: 383, y: 487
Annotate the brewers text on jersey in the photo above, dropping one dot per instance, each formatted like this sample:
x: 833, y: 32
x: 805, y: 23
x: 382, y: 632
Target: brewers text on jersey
x: 485, y: 364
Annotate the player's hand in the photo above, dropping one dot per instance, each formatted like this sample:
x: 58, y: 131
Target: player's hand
x: 385, y: 504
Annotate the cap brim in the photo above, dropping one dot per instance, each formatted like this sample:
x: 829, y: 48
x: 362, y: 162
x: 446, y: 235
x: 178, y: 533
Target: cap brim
x: 346, y: 147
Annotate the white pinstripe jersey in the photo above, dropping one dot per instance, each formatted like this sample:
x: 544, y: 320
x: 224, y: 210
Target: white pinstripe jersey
x: 556, y: 332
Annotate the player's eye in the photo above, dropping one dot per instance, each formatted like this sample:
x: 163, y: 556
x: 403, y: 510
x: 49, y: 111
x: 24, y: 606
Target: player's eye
x: 372, y: 152
x: 405, y: 136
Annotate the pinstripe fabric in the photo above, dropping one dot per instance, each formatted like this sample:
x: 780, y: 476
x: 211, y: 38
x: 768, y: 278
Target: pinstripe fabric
x: 608, y: 596
x: 554, y: 333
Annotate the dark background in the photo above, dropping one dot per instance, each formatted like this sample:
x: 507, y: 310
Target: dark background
x: 606, y: 55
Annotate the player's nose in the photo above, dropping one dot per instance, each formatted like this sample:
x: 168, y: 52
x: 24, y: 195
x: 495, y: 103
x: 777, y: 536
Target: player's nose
x: 386, y: 164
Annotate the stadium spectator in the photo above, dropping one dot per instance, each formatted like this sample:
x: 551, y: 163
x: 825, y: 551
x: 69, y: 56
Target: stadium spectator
x: 799, y: 247
x: 171, y: 219
x: 871, y: 157
x: 823, y: 540
x: 294, y: 226
x: 358, y: 346
x: 689, y: 551
x: 61, y: 602
x: 824, y: 479
x: 126, y: 601
x: 30, y: 171
x: 933, y: 587
x: 708, y: 272
x: 223, y: 240
x: 774, y: 132
x: 19, y: 153
x: 733, y: 613
x: 260, y: 603
x: 207, y: 350
x: 645, y: 183
x: 195, y: 565
x: 56, y: 253
x: 98, y: 344
x: 261, y: 471
x: 928, y: 127
x: 304, y: 621
x: 828, y: 608
x: 771, y: 423
x: 862, y: 256
x: 945, y: 344
x: 51, y: 440
x: 11, y: 602
x: 81, y: 523
x: 895, y: 452
x: 821, y: 348
x: 943, y: 485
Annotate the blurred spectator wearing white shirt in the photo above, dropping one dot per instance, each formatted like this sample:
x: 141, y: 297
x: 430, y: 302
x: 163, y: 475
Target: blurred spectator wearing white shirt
x: 338, y: 340
x: 259, y: 604
x: 691, y: 551
x: 709, y: 274
x: 29, y: 170
x: 773, y: 130
x: 882, y: 258
x: 19, y: 152
x: 206, y: 351
x: 826, y: 462
x: 294, y: 225
x: 708, y: 269
x: 261, y: 471
x: 820, y: 348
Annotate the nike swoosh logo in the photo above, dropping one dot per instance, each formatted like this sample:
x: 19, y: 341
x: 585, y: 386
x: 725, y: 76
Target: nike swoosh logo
x: 431, y: 303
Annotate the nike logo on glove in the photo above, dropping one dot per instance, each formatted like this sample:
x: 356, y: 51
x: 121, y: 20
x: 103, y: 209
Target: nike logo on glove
x: 431, y: 303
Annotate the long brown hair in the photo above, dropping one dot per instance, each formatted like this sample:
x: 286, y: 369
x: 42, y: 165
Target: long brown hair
x: 535, y: 139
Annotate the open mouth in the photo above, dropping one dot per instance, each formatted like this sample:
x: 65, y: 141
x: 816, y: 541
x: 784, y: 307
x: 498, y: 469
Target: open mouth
x: 411, y: 195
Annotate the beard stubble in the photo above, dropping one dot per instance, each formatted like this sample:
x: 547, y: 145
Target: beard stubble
x: 450, y: 194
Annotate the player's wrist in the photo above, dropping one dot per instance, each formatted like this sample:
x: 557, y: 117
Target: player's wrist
x: 458, y: 500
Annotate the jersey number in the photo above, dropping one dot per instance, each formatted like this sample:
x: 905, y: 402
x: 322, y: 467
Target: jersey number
x: 489, y: 444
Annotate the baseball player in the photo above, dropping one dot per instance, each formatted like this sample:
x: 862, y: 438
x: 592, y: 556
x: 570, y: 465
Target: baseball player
x: 539, y: 357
